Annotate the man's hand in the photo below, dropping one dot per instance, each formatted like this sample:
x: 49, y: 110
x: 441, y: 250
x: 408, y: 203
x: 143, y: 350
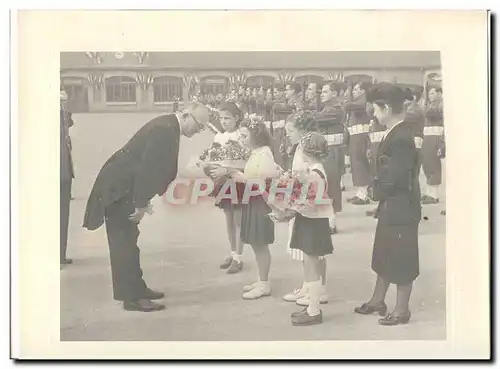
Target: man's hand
x: 137, y: 216
x: 369, y: 153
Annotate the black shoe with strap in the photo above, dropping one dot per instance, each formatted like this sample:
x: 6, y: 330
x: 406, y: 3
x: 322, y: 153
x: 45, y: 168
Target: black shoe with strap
x: 235, y: 267
x: 391, y: 319
x: 303, y: 318
x: 143, y: 305
x: 367, y: 309
x: 359, y: 201
x: 227, y: 263
x: 297, y: 313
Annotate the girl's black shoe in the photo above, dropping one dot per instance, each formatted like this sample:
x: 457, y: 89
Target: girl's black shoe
x: 367, y: 309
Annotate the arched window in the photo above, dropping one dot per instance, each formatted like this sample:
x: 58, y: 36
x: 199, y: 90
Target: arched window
x: 121, y: 89
x: 166, y: 88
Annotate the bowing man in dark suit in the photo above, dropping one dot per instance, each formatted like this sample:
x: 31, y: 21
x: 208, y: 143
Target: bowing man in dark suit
x: 396, y: 187
x: 121, y: 195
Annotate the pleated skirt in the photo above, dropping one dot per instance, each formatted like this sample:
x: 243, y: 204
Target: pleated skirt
x: 256, y: 226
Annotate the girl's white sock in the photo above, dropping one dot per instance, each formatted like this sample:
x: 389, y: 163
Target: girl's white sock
x: 314, y: 292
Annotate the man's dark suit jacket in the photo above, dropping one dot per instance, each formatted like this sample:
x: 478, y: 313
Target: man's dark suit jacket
x: 396, y: 184
x: 143, y: 168
x: 66, y: 161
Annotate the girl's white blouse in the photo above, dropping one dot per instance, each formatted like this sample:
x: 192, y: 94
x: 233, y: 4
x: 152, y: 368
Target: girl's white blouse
x: 298, y: 163
x: 261, y: 164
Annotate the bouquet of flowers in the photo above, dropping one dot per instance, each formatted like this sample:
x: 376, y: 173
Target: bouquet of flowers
x: 213, y: 153
x: 231, y: 155
x: 303, y: 196
x: 234, y: 155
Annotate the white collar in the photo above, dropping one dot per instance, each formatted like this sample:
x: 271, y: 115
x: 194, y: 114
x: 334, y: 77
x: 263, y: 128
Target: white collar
x: 179, y: 122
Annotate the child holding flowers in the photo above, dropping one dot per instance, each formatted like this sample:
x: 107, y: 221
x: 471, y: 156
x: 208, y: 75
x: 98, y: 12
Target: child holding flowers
x: 311, y: 229
x: 227, y: 144
x: 257, y: 228
x: 297, y: 127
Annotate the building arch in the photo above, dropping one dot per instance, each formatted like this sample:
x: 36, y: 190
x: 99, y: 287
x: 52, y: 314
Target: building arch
x: 121, y: 89
x: 166, y: 88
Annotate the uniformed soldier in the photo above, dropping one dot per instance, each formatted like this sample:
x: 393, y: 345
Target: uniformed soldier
x: 281, y: 110
x: 358, y: 124
x: 377, y: 132
x: 312, y: 102
x: 433, y: 133
x: 395, y: 256
x: 415, y: 115
x: 66, y: 177
x: 260, y: 103
x: 268, y: 105
x: 330, y: 123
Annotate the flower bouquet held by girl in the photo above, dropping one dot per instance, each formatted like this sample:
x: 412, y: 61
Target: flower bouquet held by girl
x: 230, y: 155
x: 302, y: 196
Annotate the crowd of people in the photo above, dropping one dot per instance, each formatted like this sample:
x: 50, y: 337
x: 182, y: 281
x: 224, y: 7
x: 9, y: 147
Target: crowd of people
x: 344, y: 114
x: 384, y: 129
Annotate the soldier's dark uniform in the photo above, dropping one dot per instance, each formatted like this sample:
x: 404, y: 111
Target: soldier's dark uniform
x: 281, y: 110
x: 376, y: 135
x: 431, y: 162
x: 415, y: 115
x: 358, y: 124
x: 330, y: 124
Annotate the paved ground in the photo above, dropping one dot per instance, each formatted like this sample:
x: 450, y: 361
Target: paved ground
x: 181, y: 248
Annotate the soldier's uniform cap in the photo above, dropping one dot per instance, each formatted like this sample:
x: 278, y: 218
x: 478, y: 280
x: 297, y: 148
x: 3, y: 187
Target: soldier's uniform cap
x: 387, y: 93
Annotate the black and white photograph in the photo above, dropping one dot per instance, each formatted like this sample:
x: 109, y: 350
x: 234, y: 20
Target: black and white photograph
x: 258, y: 195
x: 136, y: 123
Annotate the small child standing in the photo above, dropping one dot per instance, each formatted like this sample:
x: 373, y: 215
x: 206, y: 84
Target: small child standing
x: 311, y: 229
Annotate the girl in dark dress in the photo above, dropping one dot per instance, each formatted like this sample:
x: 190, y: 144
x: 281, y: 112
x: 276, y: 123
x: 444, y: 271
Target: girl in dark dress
x: 257, y: 228
x: 311, y: 229
x: 395, y: 186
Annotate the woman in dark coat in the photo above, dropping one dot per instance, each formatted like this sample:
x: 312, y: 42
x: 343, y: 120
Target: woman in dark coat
x: 395, y: 186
